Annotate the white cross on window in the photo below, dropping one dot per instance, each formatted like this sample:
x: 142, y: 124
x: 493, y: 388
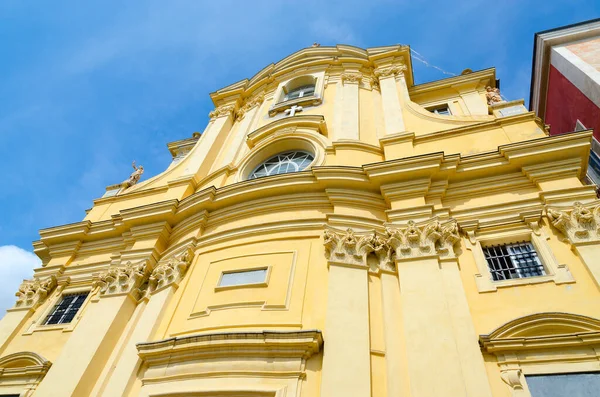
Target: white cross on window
x: 292, y: 111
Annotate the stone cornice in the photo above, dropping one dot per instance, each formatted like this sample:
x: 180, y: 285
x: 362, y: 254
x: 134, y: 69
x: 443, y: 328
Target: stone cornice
x: 314, y: 123
x: 485, y: 76
x: 300, y: 344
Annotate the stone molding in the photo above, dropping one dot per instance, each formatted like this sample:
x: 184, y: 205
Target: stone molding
x: 221, y: 111
x: 429, y: 238
x: 250, y: 103
x: 409, y: 241
x: 351, y: 77
x: 33, y: 293
x: 170, y: 272
x: 396, y: 70
x: 580, y: 223
x: 122, y: 280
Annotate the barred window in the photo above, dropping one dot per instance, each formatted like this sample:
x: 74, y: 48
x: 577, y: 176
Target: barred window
x: 66, y: 309
x: 510, y: 261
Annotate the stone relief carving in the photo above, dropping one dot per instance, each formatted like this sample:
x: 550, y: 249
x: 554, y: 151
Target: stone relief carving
x: 493, y: 95
x: 432, y: 238
x: 255, y: 101
x: 411, y: 240
x: 351, y: 77
x: 390, y: 71
x: 134, y: 177
x: 578, y: 223
x: 117, y: 280
x: 512, y: 377
x: 32, y: 293
x: 171, y: 271
x: 221, y: 111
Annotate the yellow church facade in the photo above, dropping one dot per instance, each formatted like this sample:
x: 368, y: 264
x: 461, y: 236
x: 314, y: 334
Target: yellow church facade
x: 336, y: 230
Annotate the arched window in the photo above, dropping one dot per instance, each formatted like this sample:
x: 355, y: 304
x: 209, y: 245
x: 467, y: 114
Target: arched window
x: 300, y: 87
x: 283, y: 163
x: 300, y: 92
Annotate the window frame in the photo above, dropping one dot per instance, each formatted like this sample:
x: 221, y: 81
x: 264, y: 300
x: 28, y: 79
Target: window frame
x: 280, y: 105
x: 508, y: 256
x: 38, y: 323
x: 555, y: 272
x: 249, y: 177
x: 434, y: 109
x: 54, y: 308
x: 261, y: 284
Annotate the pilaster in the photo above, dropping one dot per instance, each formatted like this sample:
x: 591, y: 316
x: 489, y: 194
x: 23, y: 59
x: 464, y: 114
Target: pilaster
x: 162, y: 284
x: 437, y: 323
x: 388, y: 72
x: 347, y: 95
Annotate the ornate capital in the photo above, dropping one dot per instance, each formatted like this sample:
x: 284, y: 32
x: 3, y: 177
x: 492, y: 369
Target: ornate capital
x: 431, y: 238
x: 351, y: 77
x: 579, y: 223
x: 349, y: 248
x: 122, y: 280
x: 250, y: 103
x: 221, y: 111
x: 171, y: 272
x: 396, y: 70
x: 32, y: 293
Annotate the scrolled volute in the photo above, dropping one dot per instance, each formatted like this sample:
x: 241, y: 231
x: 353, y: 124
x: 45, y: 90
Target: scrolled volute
x: 579, y: 223
x: 171, y: 271
x: 221, y: 111
x: 32, y: 293
x: 347, y: 247
x: 431, y: 238
x: 122, y: 280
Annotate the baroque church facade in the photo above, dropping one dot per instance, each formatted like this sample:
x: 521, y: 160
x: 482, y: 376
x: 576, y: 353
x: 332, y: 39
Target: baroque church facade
x: 336, y: 230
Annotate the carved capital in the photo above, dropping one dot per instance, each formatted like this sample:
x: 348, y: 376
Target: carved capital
x: 351, y: 77
x: 250, y: 103
x: 33, y: 293
x: 396, y: 70
x: 221, y: 111
x: 431, y: 238
x: 347, y: 247
x: 579, y: 223
x: 170, y: 272
x: 122, y: 280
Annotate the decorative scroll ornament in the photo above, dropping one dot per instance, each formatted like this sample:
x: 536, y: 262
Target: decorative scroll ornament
x: 351, y: 77
x: 255, y: 101
x: 512, y: 377
x: 578, y: 223
x: 122, y: 280
x: 432, y: 238
x: 397, y: 70
x: 32, y: 293
x: 170, y: 272
x: 221, y: 111
x: 349, y: 248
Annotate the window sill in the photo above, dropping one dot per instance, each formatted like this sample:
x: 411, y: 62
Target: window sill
x: 252, y: 285
x: 488, y: 285
x: 312, y: 100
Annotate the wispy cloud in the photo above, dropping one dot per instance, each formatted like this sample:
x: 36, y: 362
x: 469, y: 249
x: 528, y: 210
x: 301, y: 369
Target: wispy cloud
x: 16, y: 264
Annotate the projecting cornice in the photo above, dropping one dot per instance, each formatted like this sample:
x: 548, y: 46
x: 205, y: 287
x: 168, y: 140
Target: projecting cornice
x: 309, y: 122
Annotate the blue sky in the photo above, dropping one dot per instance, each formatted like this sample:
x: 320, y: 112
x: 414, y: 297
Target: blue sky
x: 88, y: 86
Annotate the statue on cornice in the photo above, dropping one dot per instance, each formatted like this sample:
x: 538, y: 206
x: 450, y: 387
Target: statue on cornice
x: 135, y: 176
x: 493, y: 95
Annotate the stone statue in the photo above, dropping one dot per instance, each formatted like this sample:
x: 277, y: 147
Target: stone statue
x: 134, y: 177
x: 492, y: 95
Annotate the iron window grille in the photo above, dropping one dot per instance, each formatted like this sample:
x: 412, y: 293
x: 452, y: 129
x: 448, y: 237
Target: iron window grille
x: 511, y: 261
x: 66, y: 309
x: 283, y: 163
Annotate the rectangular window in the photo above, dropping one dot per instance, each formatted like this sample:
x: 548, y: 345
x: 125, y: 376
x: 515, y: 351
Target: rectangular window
x: 510, y: 261
x: 254, y: 276
x: 66, y: 309
x: 443, y: 110
x: 561, y: 385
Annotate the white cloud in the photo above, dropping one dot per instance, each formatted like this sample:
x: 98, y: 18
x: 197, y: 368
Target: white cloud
x: 16, y: 264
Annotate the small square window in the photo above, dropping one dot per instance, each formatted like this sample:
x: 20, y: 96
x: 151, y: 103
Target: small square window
x: 66, y: 309
x: 443, y: 110
x: 512, y: 261
x: 244, y: 277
